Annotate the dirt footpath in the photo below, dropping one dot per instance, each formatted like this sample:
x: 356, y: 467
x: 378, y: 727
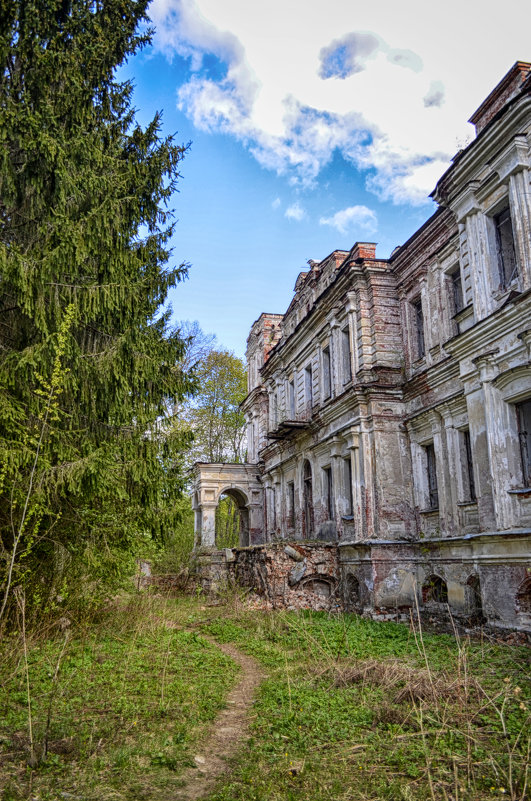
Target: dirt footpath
x: 228, y: 732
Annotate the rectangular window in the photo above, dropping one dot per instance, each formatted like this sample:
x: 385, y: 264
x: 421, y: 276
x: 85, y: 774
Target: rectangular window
x: 348, y: 486
x: 345, y: 349
x: 291, y: 399
x: 327, y: 380
x: 329, y: 492
x: 431, y: 469
x: 308, y: 387
x: 419, y: 328
x: 457, y: 290
x: 523, y: 414
x: 274, y: 409
x: 291, y: 504
x: 507, y: 266
x: 469, y: 466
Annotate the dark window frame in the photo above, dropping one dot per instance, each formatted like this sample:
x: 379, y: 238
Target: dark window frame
x: 469, y: 466
x: 523, y: 420
x: 431, y: 474
x: 505, y: 248
x: 458, y: 296
x: 419, y: 327
x: 347, y: 355
x: 329, y: 492
x: 326, y: 361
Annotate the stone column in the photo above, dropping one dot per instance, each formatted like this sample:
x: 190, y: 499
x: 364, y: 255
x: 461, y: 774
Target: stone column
x: 450, y: 470
x: 208, y: 525
x: 520, y: 202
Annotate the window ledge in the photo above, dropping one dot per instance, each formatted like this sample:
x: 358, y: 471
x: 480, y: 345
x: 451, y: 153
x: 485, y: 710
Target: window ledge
x: 522, y: 492
x: 463, y: 313
x: 468, y: 503
x: 347, y: 518
x: 432, y: 511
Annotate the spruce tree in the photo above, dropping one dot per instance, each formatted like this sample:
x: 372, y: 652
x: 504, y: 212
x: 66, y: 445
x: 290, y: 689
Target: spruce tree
x: 88, y: 361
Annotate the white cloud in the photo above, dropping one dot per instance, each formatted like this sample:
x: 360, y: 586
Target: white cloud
x: 353, y: 218
x: 295, y: 212
x: 330, y: 77
x: 276, y: 203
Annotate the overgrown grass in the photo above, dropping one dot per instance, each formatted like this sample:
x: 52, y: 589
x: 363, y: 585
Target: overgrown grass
x: 350, y: 710
x: 117, y: 707
x: 360, y: 710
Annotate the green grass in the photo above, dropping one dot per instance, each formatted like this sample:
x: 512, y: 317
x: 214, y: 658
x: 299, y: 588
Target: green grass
x: 350, y: 709
x: 130, y: 703
x: 313, y: 740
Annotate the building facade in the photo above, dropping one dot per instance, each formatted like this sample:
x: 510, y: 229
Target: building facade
x: 389, y: 408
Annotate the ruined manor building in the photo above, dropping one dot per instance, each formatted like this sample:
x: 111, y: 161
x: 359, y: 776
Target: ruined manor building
x: 389, y: 408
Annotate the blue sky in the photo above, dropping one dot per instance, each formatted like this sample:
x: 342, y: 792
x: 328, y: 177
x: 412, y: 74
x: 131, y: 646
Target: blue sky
x: 313, y: 125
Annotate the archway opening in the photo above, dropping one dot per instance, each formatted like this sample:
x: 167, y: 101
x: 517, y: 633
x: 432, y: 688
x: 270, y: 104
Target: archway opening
x: 232, y: 519
x: 352, y: 594
x: 435, y: 590
x: 523, y: 602
x: 308, y: 499
x: 475, y: 604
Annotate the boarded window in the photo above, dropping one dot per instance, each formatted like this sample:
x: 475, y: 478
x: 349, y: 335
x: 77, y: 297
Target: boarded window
x: 431, y: 469
x: 507, y: 265
x: 523, y: 413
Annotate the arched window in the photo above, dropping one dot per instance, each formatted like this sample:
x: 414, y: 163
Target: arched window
x: 435, y: 590
x: 352, y: 594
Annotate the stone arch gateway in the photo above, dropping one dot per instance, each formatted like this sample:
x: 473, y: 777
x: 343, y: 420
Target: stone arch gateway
x: 239, y: 481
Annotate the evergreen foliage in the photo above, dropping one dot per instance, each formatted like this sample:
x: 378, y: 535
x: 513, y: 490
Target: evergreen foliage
x: 88, y: 362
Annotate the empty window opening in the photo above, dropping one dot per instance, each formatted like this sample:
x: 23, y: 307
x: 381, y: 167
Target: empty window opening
x: 475, y: 604
x: 523, y: 416
x: 507, y: 265
x: 346, y: 358
x: 457, y: 290
x: 347, y: 463
x: 523, y: 597
x: 329, y: 492
x: 469, y: 467
x: 231, y: 522
x: 327, y: 378
x: 431, y: 471
x: 308, y: 499
x: 419, y: 328
x: 435, y: 590
x: 291, y: 504
x: 308, y: 387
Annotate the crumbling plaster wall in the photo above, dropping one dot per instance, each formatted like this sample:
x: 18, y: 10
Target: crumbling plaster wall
x: 289, y: 575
